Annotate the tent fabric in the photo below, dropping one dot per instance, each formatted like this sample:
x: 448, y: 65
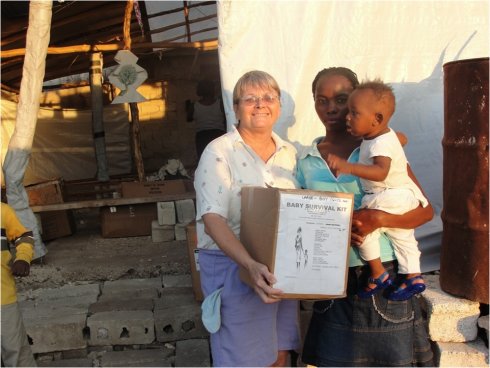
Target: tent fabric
x: 403, y: 43
x: 19, y: 147
x: 51, y: 157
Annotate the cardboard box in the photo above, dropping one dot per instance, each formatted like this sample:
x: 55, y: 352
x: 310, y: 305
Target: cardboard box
x: 194, y: 260
x: 56, y: 224
x: 49, y: 192
x: 127, y: 220
x: 135, y: 189
x: 303, y: 236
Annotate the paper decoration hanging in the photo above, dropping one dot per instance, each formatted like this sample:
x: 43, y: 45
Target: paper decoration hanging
x: 127, y: 77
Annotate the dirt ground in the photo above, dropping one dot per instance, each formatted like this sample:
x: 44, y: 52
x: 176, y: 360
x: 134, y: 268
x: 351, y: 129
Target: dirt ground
x: 87, y: 257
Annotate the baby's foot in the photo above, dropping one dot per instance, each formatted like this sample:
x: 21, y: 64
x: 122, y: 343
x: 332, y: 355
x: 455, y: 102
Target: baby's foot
x: 374, y: 285
x: 413, y: 279
x: 412, y: 285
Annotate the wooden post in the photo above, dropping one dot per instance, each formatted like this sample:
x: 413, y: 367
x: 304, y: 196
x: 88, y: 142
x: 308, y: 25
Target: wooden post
x: 98, y: 115
x: 135, y: 135
x: 187, y: 26
x: 135, y: 121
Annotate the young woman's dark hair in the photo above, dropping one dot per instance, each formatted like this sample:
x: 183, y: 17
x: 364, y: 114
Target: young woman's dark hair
x: 336, y: 70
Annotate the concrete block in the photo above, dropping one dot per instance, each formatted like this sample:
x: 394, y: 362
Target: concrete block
x: 84, y: 294
x: 114, y: 303
x: 458, y: 354
x: 170, y: 300
x: 121, y: 328
x: 75, y: 302
x: 137, y: 358
x: 75, y: 354
x: 177, y: 290
x: 81, y: 362
x: 132, y: 289
x: 483, y: 323
x: 124, y: 284
x: 162, y: 233
x: 450, y: 319
x: 49, y: 310
x: 56, y: 333
x: 192, y: 353
x: 186, y: 211
x: 53, y: 326
x: 180, y: 232
x: 176, y: 281
x: 166, y: 213
x: 44, y: 357
x: 98, y: 351
x: 180, y: 322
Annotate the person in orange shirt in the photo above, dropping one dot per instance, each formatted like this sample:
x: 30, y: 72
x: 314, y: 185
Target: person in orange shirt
x: 16, y: 351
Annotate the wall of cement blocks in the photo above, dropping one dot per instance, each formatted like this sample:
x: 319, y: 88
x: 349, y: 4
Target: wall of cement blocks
x: 95, y: 317
x: 161, y: 313
x: 453, y: 328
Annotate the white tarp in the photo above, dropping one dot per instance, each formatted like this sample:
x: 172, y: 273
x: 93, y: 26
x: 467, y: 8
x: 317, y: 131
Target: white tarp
x: 20, y: 144
x: 64, y: 144
x: 405, y: 43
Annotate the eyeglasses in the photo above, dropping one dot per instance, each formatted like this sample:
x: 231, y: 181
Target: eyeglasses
x: 252, y: 100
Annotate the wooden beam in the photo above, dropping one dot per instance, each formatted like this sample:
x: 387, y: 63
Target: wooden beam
x: 85, y: 7
x: 146, y: 24
x: 201, y: 45
x: 136, y: 141
x: 98, y: 131
x: 111, y: 202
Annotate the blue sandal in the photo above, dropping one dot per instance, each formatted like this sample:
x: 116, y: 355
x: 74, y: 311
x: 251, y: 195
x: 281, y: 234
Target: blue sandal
x: 409, y: 290
x: 380, y: 284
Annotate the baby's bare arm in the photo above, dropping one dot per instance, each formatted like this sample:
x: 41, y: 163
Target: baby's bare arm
x: 402, y: 138
x: 378, y: 171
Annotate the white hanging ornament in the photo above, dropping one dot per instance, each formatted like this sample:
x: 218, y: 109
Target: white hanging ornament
x: 127, y: 77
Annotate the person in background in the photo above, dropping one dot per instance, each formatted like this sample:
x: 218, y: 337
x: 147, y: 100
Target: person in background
x: 16, y: 351
x: 208, y: 114
x: 257, y: 328
x: 382, y: 168
x: 353, y: 331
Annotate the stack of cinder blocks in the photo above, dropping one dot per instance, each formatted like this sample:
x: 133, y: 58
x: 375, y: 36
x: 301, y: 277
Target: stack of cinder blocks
x: 453, y: 327
x: 173, y: 217
x: 127, y: 322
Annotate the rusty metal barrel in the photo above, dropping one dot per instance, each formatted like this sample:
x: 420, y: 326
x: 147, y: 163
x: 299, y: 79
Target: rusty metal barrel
x: 464, y: 253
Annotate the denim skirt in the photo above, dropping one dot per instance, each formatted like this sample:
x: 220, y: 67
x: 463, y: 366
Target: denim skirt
x: 375, y: 331
x: 251, y: 332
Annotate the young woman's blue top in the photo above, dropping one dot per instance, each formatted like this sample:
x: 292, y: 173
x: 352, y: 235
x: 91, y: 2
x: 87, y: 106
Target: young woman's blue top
x: 314, y: 173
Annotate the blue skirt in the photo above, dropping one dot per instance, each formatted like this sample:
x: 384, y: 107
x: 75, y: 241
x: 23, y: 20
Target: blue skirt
x: 251, y: 331
x: 355, y: 332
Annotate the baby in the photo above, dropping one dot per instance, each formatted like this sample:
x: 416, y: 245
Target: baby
x: 382, y: 169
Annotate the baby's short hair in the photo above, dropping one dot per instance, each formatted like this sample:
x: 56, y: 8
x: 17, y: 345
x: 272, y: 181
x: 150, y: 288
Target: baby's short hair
x: 383, y: 92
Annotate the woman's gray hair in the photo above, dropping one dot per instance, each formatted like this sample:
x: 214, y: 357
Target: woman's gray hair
x: 254, y: 78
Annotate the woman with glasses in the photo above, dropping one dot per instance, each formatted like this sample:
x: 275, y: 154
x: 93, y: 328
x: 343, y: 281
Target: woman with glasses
x: 252, y: 328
